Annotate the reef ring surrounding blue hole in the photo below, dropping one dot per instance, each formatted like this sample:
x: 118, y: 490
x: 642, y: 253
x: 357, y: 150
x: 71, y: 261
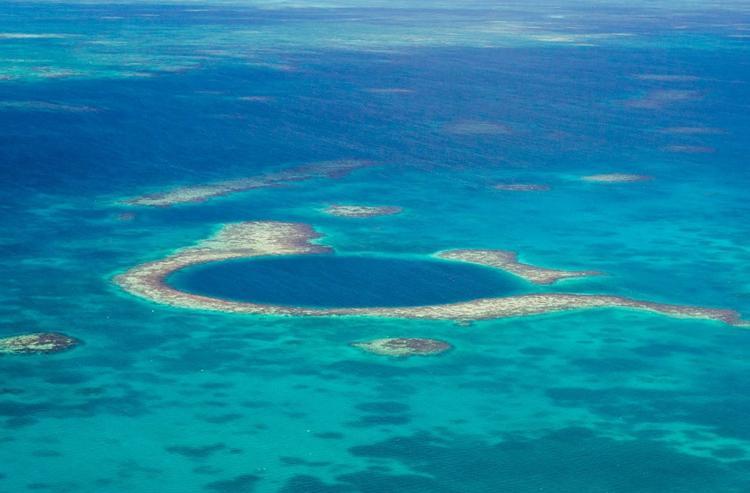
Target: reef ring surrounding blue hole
x: 344, y: 281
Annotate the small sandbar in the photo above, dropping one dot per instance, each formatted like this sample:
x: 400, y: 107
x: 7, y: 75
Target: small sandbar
x: 476, y: 127
x: 616, y: 178
x: 508, y: 261
x: 667, y: 77
x: 37, y: 343
x: 692, y: 131
x: 522, y: 187
x: 201, y: 193
x: 403, y: 346
x: 661, y: 98
x: 46, y: 106
x: 689, y: 149
x: 256, y: 99
x: 388, y: 90
x: 263, y: 238
x: 33, y: 36
x: 362, y: 210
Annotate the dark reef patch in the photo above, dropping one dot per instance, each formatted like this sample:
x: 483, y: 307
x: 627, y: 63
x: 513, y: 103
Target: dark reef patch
x: 39, y: 486
x: 221, y: 418
x: 658, y: 350
x: 46, y: 453
x: 330, y: 435
x: 383, y: 407
x: 200, y: 452
x: 298, y: 461
x: 571, y: 460
x: 66, y: 378
x: 244, y: 483
x: 381, y: 420
x: 729, y: 453
x: 311, y: 484
x: 611, y: 365
x: 11, y: 391
x: 366, y: 369
x: 536, y: 351
x: 725, y: 415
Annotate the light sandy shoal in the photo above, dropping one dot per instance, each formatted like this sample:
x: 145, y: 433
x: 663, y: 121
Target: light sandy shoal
x: 252, y: 239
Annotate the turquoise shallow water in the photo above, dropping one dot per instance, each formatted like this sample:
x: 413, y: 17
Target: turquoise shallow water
x: 332, y: 281
x: 104, y: 102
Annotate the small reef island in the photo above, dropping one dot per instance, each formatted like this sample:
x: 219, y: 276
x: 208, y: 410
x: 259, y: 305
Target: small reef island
x: 403, y: 346
x: 37, y: 343
x: 203, y: 192
x: 362, y: 210
x: 267, y: 238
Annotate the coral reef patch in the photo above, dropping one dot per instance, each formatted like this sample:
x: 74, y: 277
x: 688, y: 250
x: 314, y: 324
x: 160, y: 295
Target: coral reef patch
x: 362, y: 210
x: 615, y: 178
x: 403, y: 346
x: 37, y: 343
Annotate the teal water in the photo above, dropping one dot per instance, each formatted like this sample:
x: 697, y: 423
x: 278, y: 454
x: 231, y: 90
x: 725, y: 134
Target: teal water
x: 344, y: 281
x: 100, y: 102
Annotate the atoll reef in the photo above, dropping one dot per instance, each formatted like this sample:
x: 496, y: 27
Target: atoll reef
x: 201, y: 193
x: 508, y: 261
x: 36, y: 343
x: 522, y: 187
x: 403, y: 346
x: 615, y: 178
x: 362, y: 210
x: 261, y: 238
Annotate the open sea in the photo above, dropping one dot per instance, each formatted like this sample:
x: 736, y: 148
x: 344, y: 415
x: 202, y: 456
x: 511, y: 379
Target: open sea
x: 101, y: 102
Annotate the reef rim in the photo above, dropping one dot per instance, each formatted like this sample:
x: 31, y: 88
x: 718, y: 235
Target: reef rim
x: 262, y: 238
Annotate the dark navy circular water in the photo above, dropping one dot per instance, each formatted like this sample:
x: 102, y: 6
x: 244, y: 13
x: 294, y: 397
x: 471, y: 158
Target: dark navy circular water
x: 344, y: 281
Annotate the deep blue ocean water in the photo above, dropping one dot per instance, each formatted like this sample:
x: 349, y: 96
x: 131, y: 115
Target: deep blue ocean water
x: 346, y: 281
x: 104, y: 102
